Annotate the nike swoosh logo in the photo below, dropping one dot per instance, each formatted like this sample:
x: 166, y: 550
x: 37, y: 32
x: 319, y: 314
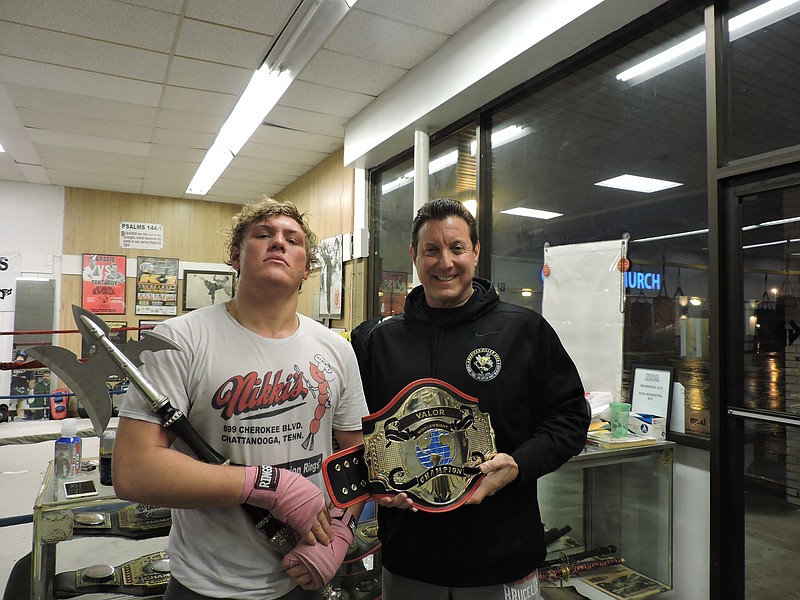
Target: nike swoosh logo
x: 485, y: 333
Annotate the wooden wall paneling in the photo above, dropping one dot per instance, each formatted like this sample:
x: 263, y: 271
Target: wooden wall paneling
x: 326, y: 192
x: 91, y: 224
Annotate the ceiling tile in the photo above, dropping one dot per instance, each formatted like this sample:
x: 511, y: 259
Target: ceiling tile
x: 214, y: 43
x: 79, y: 155
x: 185, y: 120
x: 304, y: 120
x: 445, y: 16
x: 56, y: 138
x: 352, y: 73
x: 50, y: 121
x: 288, y: 138
x: 65, y: 165
x: 317, y: 98
x: 79, y: 105
x: 251, y: 15
x: 203, y: 75
x: 98, y: 19
x: 269, y: 152
x: 175, y: 137
x: 248, y: 163
x: 383, y: 40
x: 52, y: 47
x: 74, y: 81
x: 201, y: 101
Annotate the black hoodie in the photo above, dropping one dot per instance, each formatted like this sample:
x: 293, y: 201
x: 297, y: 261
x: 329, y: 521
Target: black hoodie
x: 511, y: 359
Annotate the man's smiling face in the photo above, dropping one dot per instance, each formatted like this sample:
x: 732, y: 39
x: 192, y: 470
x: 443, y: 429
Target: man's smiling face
x: 445, y: 260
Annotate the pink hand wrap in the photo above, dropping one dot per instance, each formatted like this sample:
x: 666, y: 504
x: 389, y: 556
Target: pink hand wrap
x: 320, y: 561
x: 290, y: 497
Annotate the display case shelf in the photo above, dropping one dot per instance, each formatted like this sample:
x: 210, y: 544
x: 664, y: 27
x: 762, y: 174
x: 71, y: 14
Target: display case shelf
x: 620, y: 498
x: 55, y: 523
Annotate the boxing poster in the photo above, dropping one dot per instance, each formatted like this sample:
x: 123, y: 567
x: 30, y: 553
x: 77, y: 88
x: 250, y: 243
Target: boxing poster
x: 103, y: 287
x: 156, y: 286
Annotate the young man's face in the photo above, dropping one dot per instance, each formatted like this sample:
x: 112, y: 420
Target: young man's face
x: 273, y: 250
x: 445, y: 260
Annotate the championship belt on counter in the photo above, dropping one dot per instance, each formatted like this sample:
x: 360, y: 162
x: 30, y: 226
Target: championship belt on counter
x: 144, y: 576
x: 427, y: 442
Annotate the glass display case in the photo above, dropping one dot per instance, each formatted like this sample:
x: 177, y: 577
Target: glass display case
x: 81, y: 568
x: 615, y: 505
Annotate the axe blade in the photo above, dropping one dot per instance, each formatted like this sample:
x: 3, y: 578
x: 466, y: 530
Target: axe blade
x: 87, y: 380
x: 81, y: 378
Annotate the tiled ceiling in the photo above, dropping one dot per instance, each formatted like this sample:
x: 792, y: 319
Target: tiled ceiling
x: 128, y: 95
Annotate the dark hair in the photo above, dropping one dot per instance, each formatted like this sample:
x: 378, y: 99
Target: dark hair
x: 439, y: 209
x: 261, y: 211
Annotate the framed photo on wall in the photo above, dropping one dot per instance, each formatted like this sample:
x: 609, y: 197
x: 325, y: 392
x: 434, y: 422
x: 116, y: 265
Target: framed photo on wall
x: 206, y: 288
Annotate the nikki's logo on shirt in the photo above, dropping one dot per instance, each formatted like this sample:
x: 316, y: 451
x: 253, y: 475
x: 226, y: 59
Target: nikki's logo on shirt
x: 483, y: 364
x: 246, y: 393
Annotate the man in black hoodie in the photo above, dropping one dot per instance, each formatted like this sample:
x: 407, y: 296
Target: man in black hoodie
x: 455, y: 328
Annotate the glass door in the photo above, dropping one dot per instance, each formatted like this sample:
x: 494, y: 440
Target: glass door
x: 762, y: 408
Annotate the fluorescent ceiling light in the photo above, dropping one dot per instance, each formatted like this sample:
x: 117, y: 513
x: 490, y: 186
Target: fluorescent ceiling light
x: 747, y: 228
x: 503, y: 136
x: 258, y: 99
x: 635, y: 183
x: 434, y: 166
x: 739, y: 26
x: 770, y: 223
x: 670, y: 236
x: 775, y: 243
x: 310, y: 25
x: 521, y: 211
x: 1, y: 148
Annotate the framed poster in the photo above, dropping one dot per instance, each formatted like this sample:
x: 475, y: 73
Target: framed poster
x: 145, y: 325
x: 205, y: 288
x: 156, y: 286
x: 330, y: 279
x: 103, y: 287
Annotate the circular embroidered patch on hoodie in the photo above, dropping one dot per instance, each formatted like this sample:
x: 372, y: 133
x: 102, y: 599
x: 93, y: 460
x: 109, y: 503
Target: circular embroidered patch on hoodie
x: 483, y: 364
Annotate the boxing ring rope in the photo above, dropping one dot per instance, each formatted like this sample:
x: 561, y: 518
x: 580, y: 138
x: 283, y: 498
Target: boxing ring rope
x: 60, y: 394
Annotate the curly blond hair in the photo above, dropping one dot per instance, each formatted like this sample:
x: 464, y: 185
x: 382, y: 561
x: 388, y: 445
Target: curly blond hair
x: 263, y: 210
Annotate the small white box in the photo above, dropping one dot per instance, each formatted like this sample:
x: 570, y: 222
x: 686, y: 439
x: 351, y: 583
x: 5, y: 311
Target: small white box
x: 649, y: 425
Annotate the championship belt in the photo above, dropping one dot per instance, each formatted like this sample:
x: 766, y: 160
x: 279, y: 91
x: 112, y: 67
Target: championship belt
x: 427, y: 442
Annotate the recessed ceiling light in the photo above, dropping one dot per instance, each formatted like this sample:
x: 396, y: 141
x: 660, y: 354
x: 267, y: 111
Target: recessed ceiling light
x: 521, y: 211
x: 635, y: 183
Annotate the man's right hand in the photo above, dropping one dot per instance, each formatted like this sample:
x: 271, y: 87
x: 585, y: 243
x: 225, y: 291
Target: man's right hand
x: 400, y: 500
x: 289, y: 497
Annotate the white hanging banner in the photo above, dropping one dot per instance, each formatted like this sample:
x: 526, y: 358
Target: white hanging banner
x: 583, y: 299
x: 10, y: 267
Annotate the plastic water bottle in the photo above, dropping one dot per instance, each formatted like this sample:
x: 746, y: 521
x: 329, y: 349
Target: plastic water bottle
x: 68, y: 451
x: 106, y: 451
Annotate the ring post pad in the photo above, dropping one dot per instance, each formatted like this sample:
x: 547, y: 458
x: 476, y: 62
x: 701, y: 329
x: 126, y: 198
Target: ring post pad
x: 427, y: 442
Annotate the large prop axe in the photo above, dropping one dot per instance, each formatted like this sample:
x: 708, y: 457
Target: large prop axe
x: 88, y: 382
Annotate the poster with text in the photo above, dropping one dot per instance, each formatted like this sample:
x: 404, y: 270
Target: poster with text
x: 156, y: 286
x: 330, y: 286
x: 103, y: 287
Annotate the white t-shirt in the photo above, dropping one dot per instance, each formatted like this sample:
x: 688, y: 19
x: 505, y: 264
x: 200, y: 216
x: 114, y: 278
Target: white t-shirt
x: 256, y: 401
